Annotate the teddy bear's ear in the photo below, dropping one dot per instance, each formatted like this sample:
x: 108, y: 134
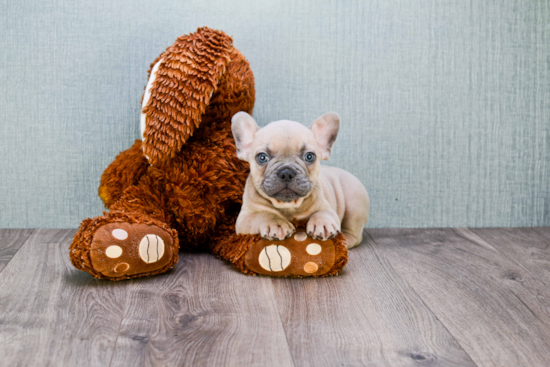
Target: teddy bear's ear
x: 181, y: 84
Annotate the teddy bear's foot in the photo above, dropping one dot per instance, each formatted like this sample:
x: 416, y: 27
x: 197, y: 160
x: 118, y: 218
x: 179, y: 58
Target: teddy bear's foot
x: 124, y: 249
x: 297, y: 256
x: 120, y: 246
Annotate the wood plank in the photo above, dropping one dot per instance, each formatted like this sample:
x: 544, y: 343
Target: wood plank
x: 53, y: 314
x: 10, y: 242
x: 529, y: 247
x: 496, y: 309
x: 202, y: 313
x: 366, y: 316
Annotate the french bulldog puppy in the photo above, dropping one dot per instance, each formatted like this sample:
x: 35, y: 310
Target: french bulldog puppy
x: 287, y: 181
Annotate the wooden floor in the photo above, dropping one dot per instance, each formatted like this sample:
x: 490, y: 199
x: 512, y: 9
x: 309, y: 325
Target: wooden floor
x: 408, y: 297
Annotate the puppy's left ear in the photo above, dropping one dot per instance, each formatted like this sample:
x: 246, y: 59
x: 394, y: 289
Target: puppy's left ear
x: 325, y: 129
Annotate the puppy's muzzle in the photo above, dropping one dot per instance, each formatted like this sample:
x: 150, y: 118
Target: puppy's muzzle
x: 286, y: 183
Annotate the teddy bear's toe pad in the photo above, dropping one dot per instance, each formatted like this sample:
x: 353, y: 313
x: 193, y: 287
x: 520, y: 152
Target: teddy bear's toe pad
x: 299, y: 255
x: 124, y: 249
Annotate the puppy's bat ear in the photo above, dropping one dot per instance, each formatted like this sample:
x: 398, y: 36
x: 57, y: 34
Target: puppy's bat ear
x: 244, y: 128
x: 325, y: 129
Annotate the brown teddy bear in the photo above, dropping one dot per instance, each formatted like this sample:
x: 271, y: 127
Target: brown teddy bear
x: 182, y: 184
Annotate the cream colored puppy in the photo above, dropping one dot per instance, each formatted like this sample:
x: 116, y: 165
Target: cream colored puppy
x: 287, y: 181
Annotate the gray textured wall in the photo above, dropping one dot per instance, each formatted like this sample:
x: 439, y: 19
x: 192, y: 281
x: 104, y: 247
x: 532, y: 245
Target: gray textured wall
x: 445, y: 104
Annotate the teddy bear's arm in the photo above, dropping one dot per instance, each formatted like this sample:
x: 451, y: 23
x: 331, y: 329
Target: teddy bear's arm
x: 125, y: 171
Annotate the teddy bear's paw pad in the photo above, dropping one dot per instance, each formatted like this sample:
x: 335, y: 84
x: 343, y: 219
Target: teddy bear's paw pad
x: 124, y: 249
x: 274, y: 258
x: 151, y: 248
x: 299, y: 255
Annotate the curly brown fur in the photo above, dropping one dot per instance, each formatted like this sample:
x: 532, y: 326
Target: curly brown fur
x: 186, y: 79
x: 123, y: 172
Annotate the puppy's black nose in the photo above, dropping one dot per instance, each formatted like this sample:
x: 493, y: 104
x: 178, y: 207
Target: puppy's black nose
x: 287, y: 174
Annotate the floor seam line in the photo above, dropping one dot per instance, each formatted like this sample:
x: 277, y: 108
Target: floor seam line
x: 120, y: 325
x: 496, y: 249
x: 282, y: 324
x: 422, y: 300
x: 20, y: 247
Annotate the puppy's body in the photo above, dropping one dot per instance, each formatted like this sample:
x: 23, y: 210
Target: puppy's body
x: 290, y: 186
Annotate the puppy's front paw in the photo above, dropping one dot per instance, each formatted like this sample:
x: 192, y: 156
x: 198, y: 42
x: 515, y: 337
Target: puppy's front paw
x: 322, y: 226
x: 277, y: 229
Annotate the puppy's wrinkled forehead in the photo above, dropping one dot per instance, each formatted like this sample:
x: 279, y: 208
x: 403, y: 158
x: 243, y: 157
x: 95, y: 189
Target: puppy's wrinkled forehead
x: 284, y: 138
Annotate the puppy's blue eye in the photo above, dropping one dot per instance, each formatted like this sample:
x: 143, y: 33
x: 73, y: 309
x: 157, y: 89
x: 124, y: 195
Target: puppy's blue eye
x: 262, y: 158
x: 309, y: 157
